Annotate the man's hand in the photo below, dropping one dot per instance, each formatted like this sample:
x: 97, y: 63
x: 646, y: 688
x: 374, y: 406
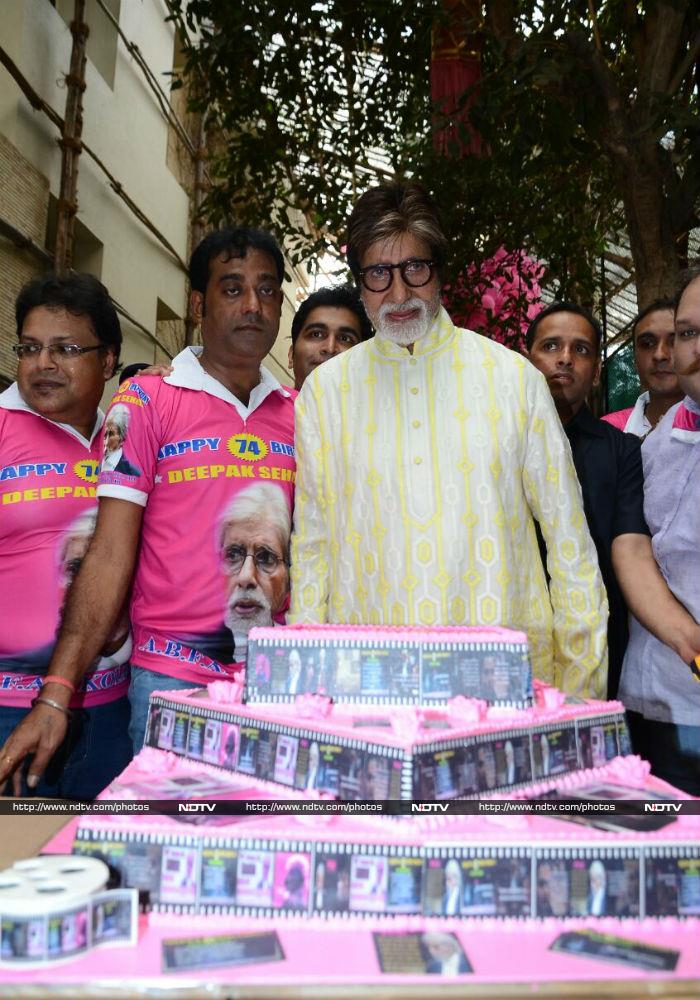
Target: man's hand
x: 162, y: 370
x: 40, y: 733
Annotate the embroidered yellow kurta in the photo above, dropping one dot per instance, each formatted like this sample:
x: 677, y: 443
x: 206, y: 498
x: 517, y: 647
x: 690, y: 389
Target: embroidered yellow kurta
x: 419, y: 478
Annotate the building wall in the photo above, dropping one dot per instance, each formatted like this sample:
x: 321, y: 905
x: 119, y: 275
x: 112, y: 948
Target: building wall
x: 123, y: 124
x: 24, y: 198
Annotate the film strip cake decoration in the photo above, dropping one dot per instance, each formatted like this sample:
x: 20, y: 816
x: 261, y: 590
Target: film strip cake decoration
x: 389, y: 666
x: 55, y: 908
x: 466, y: 870
x: 461, y: 750
x: 415, y: 717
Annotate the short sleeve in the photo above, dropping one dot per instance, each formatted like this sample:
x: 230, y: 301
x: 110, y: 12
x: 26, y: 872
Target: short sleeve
x: 131, y: 442
x: 629, y: 501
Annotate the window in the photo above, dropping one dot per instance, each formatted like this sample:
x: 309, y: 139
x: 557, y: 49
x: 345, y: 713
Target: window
x: 87, y: 249
x: 103, y: 38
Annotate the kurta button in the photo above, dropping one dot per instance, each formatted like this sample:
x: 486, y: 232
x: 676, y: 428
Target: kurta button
x: 414, y: 390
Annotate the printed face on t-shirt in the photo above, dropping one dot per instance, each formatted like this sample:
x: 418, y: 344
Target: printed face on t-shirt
x: 240, y: 311
x: 257, y: 576
x: 74, y: 548
x: 112, y: 438
x: 74, y: 545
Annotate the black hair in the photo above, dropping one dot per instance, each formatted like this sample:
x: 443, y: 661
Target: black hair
x: 234, y: 242
x: 686, y: 278
x: 654, y: 306
x: 128, y: 371
x: 564, y: 307
x: 77, y: 293
x: 340, y: 297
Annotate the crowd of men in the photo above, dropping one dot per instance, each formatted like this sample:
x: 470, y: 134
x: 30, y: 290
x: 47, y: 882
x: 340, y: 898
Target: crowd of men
x: 418, y: 474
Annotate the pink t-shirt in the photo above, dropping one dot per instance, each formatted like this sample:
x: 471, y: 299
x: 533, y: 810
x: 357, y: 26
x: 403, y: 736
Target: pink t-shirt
x: 187, y: 449
x: 48, y: 505
x: 619, y: 418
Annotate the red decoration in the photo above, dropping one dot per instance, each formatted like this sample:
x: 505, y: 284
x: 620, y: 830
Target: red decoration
x: 455, y: 67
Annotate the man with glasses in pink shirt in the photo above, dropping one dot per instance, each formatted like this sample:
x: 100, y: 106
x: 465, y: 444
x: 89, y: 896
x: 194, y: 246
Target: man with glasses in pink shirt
x: 69, y: 341
x: 218, y: 425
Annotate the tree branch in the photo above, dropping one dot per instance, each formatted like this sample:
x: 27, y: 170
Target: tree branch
x: 618, y: 131
x: 594, y: 25
x: 686, y: 65
x: 662, y: 50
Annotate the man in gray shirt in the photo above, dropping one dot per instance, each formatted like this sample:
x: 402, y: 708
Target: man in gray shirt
x: 661, y: 578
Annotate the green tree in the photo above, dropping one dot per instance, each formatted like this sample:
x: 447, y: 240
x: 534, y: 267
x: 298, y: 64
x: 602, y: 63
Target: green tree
x: 587, y: 115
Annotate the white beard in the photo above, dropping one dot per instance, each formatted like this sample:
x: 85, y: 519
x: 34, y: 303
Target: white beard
x: 405, y: 333
x: 261, y: 619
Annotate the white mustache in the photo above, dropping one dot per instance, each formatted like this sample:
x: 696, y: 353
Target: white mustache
x: 409, y: 306
x: 263, y: 616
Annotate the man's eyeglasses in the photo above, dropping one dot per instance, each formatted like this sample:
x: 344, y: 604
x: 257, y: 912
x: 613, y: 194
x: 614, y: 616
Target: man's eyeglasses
x: 415, y: 272
x: 57, y: 352
x: 264, y: 559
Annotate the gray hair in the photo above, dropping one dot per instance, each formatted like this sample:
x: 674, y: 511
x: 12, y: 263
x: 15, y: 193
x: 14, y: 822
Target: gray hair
x: 390, y: 210
x: 82, y: 527
x: 263, y: 501
x: 440, y: 938
x: 84, y: 524
x: 597, y: 869
x: 119, y: 416
x: 453, y: 866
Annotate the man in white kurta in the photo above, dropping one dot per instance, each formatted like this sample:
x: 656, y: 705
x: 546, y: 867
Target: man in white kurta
x: 420, y: 472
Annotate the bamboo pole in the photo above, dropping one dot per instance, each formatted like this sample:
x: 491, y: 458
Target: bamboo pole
x: 70, y: 142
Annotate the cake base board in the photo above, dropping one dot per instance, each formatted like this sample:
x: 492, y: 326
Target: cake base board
x: 344, y: 957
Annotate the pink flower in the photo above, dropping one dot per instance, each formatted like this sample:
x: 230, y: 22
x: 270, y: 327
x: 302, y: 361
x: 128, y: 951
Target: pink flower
x: 497, y: 296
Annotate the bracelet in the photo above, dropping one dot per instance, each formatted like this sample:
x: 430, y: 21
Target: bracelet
x: 55, y: 679
x: 52, y: 704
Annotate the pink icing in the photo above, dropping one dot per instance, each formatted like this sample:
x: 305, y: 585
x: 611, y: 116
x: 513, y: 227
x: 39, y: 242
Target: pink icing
x: 351, y: 721
x: 227, y: 692
x: 485, y: 828
x: 549, y: 697
x: 324, y: 955
x: 398, y: 632
x: 313, y: 706
x: 461, y: 710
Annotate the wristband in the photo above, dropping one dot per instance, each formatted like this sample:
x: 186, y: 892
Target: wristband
x: 52, y: 704
x: 54, y: 679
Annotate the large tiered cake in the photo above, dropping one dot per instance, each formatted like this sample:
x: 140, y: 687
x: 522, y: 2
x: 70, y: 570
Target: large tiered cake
x: 402, y: 718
